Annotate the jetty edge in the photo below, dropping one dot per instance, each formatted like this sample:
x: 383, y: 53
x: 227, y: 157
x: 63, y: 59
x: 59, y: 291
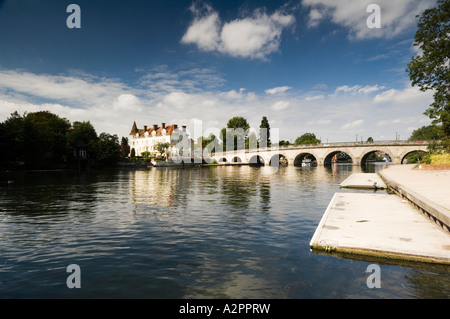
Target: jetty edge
x: 387, y: 225
x: 364, y: 181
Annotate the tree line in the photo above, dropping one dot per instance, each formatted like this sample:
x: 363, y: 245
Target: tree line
x: 237, y: 135
x: 430, y: 70
x: 43, y: 140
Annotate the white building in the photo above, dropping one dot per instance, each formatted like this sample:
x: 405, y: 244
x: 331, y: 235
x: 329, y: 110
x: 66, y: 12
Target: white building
x: 147, y: 139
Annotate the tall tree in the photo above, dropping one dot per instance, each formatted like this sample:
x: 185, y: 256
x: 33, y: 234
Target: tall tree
x: 429, y: 70
x: 264, y: 133
x: 124, y: 147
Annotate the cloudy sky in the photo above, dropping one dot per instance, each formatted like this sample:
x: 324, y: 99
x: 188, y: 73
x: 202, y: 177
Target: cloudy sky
x: 307, y: 65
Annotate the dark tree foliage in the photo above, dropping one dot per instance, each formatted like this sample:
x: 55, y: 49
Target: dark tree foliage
x: 34, y: 140
x: 83, y: 133
x: 42, y: 140
x: 430, y: 69
x: 264, y: 132
x: 124, y: 147
x: 108, y: 150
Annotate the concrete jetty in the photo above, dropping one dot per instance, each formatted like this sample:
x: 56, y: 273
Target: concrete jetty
x: 387, y: 225
x: 364, y: 181
x: 429, y: 190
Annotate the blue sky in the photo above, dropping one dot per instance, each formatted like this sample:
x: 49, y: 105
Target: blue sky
x: 308, y: 65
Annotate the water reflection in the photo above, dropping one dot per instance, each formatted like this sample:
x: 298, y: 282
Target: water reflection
x: 215, y: 232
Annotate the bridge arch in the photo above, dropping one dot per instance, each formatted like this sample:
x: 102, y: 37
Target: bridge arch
x: 419, y: 156
x: 377, y: 155
x: 256, y: 160
x: 222, y: 160
x: 337, y: 156
x: 324, y: 153
x: 278, y: 160
x: 305, y: 158
x: 236, y: 159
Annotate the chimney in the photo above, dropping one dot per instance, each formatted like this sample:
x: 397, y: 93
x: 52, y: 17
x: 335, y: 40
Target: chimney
x: 155, y: 127
x: 163, y: 125
x: 145, y: 128
x: 175, y: 126
x: 183, y: 128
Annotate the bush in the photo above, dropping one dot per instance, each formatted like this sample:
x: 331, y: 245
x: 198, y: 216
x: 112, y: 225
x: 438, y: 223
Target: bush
x: 440, y: 159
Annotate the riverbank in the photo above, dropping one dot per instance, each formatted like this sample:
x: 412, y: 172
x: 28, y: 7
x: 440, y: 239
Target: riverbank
x: 391, y: 226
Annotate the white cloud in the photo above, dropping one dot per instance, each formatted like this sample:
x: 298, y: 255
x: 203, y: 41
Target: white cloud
x: 280, y: 105
x: 64, y: 88
x: 396, y: 16
x: 112, y: 106
x: 319, y: 122
x: 354, y: 124
x: 404, y: 96
x: 255, y: 36
x: 315, y: 97
x: 127, y: 102
x: 359, y: 89
x: 162, y: 79
x: 411, y: 120
x: 204, y: 30
x: 276, y: 90
x: 314, y: 18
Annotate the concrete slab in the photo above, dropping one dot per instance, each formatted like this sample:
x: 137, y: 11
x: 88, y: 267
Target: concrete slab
x: 429, y: 190
x: 364, y: 180
x: 380, y: 225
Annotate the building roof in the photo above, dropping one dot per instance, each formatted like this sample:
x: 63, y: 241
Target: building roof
x: 169, y: 130
x: 134, y: 129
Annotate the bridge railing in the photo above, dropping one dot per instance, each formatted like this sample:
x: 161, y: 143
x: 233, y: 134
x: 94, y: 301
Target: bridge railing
x: 334, y: 144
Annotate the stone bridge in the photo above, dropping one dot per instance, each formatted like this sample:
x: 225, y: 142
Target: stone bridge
x: 322, y: 154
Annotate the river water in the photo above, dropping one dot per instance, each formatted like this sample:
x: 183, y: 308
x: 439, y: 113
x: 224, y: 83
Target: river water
x: 206, y: 232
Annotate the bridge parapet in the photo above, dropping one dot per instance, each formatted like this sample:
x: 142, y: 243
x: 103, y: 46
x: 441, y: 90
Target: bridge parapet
x: 322, y: 153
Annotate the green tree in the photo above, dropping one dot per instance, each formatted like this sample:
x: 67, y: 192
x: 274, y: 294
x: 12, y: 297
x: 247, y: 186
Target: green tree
x: 307, y: 139
x: 426, y: 133
x: 251, y: 141
x: 124, y: 147
x: 146, y: 154
x: 430, y: 69
x: 209, y: 143
x: 264, y: 133
x: 284, y: 143
x: 83, y: 133
x: 12, y: 141
x: 45, y: 139
x: 162, y: 147
x: 237, y: 128
x: 108, y: 150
